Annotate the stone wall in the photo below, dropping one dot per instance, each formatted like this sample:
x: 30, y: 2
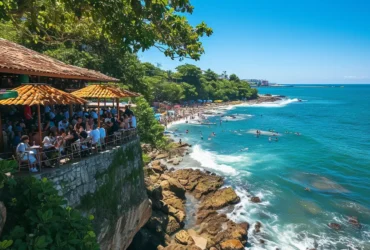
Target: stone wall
x: 111, y: 187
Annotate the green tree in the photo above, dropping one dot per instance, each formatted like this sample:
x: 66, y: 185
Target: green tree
x: 133, y: 25
x: 149, y: 129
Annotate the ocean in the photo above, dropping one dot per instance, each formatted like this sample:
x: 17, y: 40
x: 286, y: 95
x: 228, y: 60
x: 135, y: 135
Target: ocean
x: 318, y: 172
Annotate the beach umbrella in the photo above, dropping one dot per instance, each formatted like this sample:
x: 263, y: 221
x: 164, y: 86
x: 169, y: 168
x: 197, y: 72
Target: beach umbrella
x: 104, y: 91
x: 41, y: 94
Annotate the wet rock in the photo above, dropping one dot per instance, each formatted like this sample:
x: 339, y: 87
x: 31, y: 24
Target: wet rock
x: 255, y: 199
x: 354, y: 222
x: 244, y: 225
x: 262, y: 241
x: 172, y: 226
x: 174, y: 186
x: 232, y: 245
x: 161, y: 156
x: 183, y: 238
x: 334, y: 226
x: 221, y: 198
x: 257, y: 227
x: 158, y: 167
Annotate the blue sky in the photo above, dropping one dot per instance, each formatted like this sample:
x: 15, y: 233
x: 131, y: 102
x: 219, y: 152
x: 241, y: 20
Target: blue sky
x: 290, y: 41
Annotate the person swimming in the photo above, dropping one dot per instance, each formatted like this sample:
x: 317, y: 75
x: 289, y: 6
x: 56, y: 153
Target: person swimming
x: 270, y: 139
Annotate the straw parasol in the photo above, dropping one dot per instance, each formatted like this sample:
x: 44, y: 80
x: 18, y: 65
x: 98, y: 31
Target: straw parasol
x: 41, y: 94
x: 103, y: 91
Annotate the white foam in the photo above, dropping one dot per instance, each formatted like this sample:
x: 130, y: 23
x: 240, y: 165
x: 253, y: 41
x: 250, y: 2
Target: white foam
x: 208, y: 159
x: 277, y: 104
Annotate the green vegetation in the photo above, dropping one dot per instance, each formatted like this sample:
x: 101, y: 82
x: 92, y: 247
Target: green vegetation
x: 38, y: 219
x: 149, y: 129
x: 129, y: 25
x: 191, y: 83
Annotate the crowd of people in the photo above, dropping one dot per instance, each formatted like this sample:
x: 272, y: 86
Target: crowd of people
x: 60, y: 130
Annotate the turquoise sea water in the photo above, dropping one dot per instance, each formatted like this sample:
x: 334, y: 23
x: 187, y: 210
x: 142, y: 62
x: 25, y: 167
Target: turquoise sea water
x: 331, y: 157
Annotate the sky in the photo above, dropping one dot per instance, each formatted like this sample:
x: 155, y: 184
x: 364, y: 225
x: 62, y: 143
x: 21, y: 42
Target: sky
x: 283, y: 41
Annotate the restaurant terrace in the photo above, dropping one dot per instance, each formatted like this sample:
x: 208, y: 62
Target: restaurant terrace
x: 43, y: 124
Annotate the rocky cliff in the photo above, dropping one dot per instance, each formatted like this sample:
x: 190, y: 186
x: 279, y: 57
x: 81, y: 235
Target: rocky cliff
x: 110, y: 186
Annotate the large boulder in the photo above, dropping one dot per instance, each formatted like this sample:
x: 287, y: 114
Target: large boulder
x: 161, y: 156
x: 174, y: 186
x: 172, y: 225
x: 183, y: 237
x: 221, y: 198
x: 232, y: 245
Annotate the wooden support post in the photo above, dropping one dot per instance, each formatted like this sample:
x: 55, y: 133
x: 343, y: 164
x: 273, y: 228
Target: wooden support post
x: 39, y: 122
x: 98, y: 112
x: 70, y: 111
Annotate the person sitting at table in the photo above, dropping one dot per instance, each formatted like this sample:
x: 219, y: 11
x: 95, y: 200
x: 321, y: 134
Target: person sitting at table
x: 49, y: 124
x: 122, y: 123
x: 48, y: 142
x: 80, y: 125
x: 133, y: 120
x: 16, y: 139
x: 35, y: 137
x: 63, y: 124
x: 95, y: 135
x: 89, y: 123
x: 94, y: 115
x: 127, y: 110
x: 59, y: 143
x: 74, y: 119
x: 25, y: 153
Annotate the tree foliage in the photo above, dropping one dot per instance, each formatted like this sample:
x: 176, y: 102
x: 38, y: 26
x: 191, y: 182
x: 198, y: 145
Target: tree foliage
x: 131, y: 25
x: 38, y: 219
x: 191, y: 83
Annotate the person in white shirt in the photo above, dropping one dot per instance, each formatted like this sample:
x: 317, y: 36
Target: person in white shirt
x: 25, y: 153
x: 95, y: 135
x: 133, y: 120
x: 63, y: 124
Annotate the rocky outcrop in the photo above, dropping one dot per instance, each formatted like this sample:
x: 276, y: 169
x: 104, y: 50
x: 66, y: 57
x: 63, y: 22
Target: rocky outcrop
x: 232, y: 245
x: 219, y: 199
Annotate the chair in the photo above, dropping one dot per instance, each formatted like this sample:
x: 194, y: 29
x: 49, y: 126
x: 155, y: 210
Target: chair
x: 76, y: 148
x: 22, y: 162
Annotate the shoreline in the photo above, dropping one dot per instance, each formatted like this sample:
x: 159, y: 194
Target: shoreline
x: 192, y: 113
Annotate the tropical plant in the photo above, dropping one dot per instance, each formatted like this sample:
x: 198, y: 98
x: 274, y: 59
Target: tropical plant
x: 38, y: 218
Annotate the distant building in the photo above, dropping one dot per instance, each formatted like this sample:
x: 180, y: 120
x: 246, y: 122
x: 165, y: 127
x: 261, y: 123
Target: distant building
x: 258, y: 82
x: 264, y: 83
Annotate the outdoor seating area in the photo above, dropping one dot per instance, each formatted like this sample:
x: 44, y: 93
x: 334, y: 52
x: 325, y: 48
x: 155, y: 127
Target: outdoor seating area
x: 49, y: 135
x: 43, y: 125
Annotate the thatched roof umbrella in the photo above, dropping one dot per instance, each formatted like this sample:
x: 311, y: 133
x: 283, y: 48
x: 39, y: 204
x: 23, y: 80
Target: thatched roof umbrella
x: 103, y: 91
x: 41, y: 94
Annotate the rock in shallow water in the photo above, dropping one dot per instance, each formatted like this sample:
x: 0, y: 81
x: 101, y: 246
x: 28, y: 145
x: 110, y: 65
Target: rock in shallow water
x: 255, y: 199
x: 334, y: 226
